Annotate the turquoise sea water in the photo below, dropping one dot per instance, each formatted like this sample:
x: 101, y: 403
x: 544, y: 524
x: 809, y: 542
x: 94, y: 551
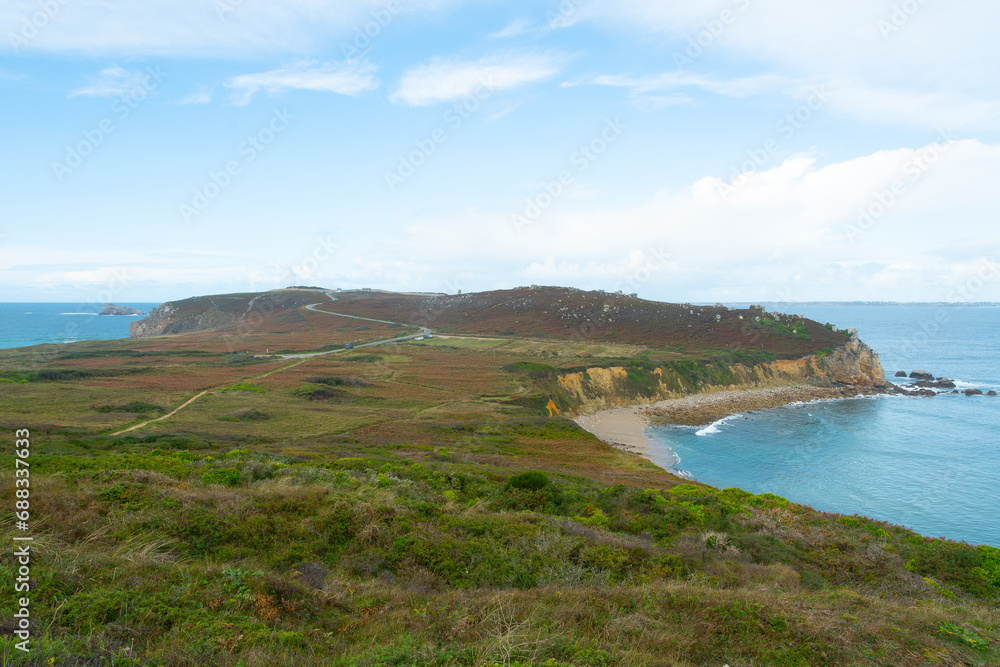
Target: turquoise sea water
x: 23, y: 324
x: 931, y: 464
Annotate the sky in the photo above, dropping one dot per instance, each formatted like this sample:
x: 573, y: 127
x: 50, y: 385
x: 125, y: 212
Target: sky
x: 710, y: 150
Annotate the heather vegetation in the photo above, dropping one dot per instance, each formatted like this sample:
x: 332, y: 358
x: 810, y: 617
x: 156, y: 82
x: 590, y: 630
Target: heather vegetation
x: 416, y: 505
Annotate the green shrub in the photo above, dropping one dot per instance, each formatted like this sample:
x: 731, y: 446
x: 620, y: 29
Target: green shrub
x: 222, y: 476
x: 138, y: 407
x: 246, y: 386
x: 245, y: 415
x: 321, y: 392
x: 990, y: 568
x: 530, y: 481
x: 964, y: 637
x: 532, y: 369
x: 335, y: 381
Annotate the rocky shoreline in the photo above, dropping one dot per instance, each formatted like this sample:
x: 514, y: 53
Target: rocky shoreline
x: 623, y: 428
x: 703, y: 409
x: 924, y: 384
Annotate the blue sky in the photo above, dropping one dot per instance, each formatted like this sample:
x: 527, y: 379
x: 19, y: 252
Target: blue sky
x: 730, y: 150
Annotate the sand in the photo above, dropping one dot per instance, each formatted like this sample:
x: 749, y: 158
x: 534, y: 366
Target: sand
x: 623, y: 428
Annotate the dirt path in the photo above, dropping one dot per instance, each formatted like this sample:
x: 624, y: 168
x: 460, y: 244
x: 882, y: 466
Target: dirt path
x: 169, y: 414
x: 301, y: 357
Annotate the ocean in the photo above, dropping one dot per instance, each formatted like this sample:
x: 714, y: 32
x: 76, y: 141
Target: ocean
x: 930, y: 464
x: 23, y: 324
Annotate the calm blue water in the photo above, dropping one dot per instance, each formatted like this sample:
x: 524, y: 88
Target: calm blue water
x: 929, y: 464
x: 23, y: 324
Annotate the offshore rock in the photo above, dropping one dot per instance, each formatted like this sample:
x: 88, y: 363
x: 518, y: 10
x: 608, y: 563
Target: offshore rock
x: 940, y: 384
x: 921, y: 375
x: 112, y: 309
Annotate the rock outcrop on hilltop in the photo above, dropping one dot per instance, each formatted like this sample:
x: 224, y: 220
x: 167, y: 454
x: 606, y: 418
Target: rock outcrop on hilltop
x: 112, y: 309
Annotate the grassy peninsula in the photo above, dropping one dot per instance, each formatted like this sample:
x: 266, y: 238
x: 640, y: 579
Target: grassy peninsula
x: 430, y: 502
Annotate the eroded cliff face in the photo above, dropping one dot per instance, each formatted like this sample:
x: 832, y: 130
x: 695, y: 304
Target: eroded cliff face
x: 165, y: 319
x: 206, y: 313
x: 854, y: 364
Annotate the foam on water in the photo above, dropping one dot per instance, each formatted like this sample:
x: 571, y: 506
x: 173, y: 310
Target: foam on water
x: 57, y: 323
x: 931, y: 464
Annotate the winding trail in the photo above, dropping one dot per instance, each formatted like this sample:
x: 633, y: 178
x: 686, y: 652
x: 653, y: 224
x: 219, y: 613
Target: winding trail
x: 169, y: 414
x: 302, y: 358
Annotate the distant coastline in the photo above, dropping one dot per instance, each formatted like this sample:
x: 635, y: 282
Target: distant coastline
x: 786, y: 305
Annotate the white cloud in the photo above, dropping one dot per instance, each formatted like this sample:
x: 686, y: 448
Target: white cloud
x: 346, y: 78
x: 194, y: 27
x: 445, y: 80
x: 787, y: 233
x: 659, y: 91
x: 669, y: 81
x: 513, y: 29
x: 882, y: 73
x: 113, y: 81
x: 203, y: 95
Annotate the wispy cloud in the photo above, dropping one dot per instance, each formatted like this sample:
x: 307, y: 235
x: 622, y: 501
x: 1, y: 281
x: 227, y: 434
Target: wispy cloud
x: 186, y: 28
x: 513, y: 29
x: 344, y: 78
x: 671, y: 81
x: 445, y: 80
x: 112, y: 82
x: 867, y: 49
x: 203, y: 95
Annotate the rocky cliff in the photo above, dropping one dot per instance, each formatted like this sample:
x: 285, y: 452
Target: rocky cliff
x: 853, y: 365
x: 207, y: 313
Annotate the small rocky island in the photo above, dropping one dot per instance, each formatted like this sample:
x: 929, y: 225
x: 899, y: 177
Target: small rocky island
x: 112, y: 309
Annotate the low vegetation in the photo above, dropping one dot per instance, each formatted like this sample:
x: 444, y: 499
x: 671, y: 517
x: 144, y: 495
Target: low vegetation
x: 419, y: 507
x: 184, y: 556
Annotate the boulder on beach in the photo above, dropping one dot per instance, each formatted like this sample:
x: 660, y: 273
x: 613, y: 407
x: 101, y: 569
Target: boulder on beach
x: 901, y: 374
x: 921, y: 375
x: 973, y: 392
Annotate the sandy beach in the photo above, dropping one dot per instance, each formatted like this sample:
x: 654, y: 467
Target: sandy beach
x: 623, y: 427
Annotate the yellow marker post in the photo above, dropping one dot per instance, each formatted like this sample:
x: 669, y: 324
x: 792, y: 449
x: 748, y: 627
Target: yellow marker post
x: 553, y: 409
